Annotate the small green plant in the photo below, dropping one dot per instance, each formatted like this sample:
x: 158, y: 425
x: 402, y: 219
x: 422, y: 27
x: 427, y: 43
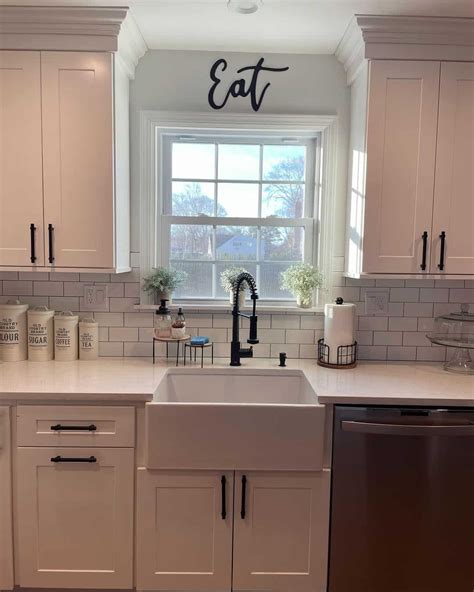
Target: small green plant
x: 164, y: 281
x: 229, y: 277
x: 301, y: 280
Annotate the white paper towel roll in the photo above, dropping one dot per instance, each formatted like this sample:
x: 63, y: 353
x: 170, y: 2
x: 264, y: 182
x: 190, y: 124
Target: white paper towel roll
x: 339, y: 327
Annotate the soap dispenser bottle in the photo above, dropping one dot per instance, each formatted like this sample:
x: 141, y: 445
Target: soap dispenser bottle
x: 178, y: 329
x: 163, y: 321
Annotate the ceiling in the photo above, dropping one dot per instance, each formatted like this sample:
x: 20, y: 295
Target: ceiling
x: 282, y: 26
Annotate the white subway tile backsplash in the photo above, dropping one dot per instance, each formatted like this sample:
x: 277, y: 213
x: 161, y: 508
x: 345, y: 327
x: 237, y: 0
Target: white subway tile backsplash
x: 434, y: 295
x: 404, y: 295
x: 17, y: 288
x: 415, y: 309
x: 283, y: 321
x: 400, y: 335
x: 402, y: 324
x: 387, y: 337
x: 123, y: 334
x: 48, y: 288
x: 373, y: 323
x: 461, y: 296
x: 300, y: 336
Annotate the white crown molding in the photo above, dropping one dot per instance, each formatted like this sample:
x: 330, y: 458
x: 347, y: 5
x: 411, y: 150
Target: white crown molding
x: 403, y: 37
x: 73, y: 28
x: 131, y: 46
x: 350, y: 51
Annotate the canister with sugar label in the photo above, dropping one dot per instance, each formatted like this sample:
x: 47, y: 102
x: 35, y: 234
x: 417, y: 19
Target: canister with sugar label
x: 88, y: 339
x: 66, y: 336
x: 13, y: 332
x: 40, y: 334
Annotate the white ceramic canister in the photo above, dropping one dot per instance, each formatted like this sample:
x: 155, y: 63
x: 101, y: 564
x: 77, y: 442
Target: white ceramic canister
x: 13, y: 331
x: 88, y: 339
x: 66, y: 336
x: 40, y: 334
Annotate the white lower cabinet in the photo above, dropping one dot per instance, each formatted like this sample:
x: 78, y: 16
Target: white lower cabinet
x: 193, y: 535
x: 75, y: 517
x: 184, y: 530
x: 281, y: 527
x: 6, y: 530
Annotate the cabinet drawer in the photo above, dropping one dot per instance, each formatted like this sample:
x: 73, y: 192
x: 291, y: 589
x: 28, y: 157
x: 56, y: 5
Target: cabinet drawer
x: 75, y: 426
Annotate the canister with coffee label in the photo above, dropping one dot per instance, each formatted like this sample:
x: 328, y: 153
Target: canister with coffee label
x: 40, y: 334
x: 66, y: 336
x: 13, y: 331
x: 88, y: 339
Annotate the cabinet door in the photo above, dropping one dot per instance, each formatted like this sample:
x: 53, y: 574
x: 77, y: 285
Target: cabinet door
x: 78, y: 157
x: 6, y: 537
x: 454, y: 181
x: 21, y: 172
x: 281, y: 531
x: 75, y: 519
x: 401, y: 145
x: 184, y: 540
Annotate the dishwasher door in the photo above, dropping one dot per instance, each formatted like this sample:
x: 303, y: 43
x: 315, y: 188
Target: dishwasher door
x: 402, y: 509
x: 6, y: 536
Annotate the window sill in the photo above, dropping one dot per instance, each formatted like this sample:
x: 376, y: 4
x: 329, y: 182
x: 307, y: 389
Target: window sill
x: 226, y: 307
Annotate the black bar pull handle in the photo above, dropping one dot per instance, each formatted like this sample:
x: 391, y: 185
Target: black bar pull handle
x: 33, y: 243
x: 60, y: 428
x: 442, y: 237
x: 244, y: 494
x: 223, y: 493
x: 50, y: 243
x: 64, y: 459
x: 424, y: 236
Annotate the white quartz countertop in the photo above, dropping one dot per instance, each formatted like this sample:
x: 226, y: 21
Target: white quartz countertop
x: 135, y: 380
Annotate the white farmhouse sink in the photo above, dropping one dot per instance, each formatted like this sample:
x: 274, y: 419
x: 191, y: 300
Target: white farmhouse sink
x: 235, y: 419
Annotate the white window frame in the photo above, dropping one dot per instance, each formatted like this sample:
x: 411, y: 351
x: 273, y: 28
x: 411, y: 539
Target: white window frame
x: 156, y: 125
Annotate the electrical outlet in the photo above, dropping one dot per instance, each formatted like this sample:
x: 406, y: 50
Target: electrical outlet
x: 376, y: 302
x: 96, y: 298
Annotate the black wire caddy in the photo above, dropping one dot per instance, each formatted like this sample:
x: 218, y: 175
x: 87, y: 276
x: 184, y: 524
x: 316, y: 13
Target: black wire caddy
x: 346, y: 355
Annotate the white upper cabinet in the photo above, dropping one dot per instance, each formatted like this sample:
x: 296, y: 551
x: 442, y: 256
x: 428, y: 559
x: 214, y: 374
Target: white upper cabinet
x: 21, y: 174
x: 401, y: 147
x: 78, y: 158
x: 411, y: 158
x: 454, y: 181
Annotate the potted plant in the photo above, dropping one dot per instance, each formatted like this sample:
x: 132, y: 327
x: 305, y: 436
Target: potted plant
x: 301, y: 280
x: 162, y: 282
x: 228, y: 279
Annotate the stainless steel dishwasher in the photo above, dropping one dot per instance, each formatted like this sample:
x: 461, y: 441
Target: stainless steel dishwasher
x: 402, y: 506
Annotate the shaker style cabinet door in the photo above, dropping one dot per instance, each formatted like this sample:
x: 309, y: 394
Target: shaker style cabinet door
x: 184, y: 530
x: 281, y: 527
x: 454, y: 180
x: 75, y: 518
x: 77, y: 94
x: 401, y: 145
x: 21, y: 172
x: 6, y: 530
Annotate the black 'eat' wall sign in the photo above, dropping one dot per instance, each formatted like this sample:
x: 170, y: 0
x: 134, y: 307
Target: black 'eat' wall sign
x: 240, y: 87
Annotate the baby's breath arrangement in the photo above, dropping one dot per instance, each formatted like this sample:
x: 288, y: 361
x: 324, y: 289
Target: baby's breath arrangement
x: 229, y: 276
x: 301, y: 280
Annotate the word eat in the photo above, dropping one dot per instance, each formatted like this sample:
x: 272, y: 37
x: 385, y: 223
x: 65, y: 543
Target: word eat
x: 241, y: 87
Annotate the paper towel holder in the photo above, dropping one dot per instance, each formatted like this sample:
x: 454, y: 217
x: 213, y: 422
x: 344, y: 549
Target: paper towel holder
x: 346, y: 355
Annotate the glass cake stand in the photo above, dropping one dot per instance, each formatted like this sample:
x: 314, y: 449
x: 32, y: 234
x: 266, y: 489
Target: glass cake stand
x: 456, y: 330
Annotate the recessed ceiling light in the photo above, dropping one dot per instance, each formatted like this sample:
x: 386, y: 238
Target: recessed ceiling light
x: 244, y: 6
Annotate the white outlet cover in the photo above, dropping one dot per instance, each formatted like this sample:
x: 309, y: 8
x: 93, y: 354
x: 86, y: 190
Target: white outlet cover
x: 376, y: 302
x: 96, y: 298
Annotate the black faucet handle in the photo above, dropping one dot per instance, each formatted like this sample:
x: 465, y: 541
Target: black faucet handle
x: 282, y: 359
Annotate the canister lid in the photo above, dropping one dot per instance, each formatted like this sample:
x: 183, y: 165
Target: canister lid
x: 66, y: 316
x: 14, y: 306
x: 88, y: 322
x: 40, y: 311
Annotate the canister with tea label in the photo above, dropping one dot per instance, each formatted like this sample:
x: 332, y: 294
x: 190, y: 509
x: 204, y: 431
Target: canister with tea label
x: 40, y: 334
x: 88, y: 339
x: 66, y: 336
x: 13, y: 332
